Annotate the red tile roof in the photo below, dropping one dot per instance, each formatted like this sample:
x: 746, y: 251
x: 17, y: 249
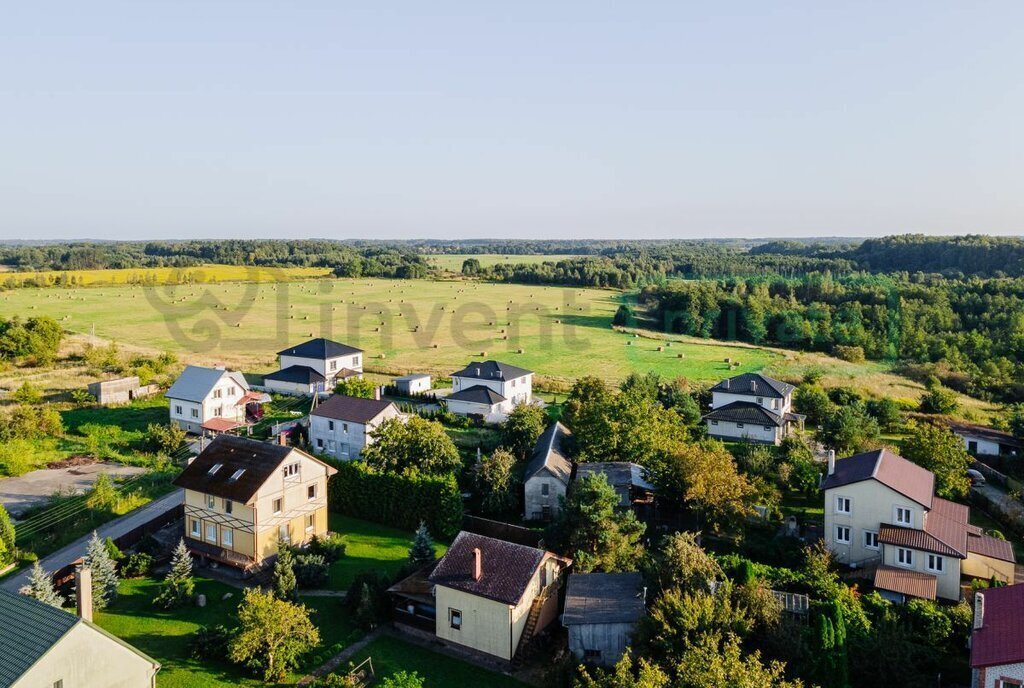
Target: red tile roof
x: 1000, y: 640
x: 906, y: 582
x: 888, y: 468
x: 915, y: 539
x: 220, y: 424
x: 988, y: 546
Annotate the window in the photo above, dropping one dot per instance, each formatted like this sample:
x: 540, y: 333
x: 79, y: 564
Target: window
x: 844, y: 505
x: 195, y: 413
x: 1008, y: 683
x: 330, y: 425
x: 455, y: 618
x: 904, y: 557
x: 768, y: 428
x: 310, y: 521
x: 344, y: 451
x: 211, y: 501
x: 291, y: 470
x: 760, y: 401
x: 177, y: 410
x: 330, y: 446
x: 194, y: 532
x: 870, y: 539
x: 236, y: 475
x: 59, y: 683
x: 213, y: 469
x: 231, y: 391
x: 319, y: 443
x: 334, y: 365
x: 311, y: 491
x: 216, y: 394
x: 344, y: 427
x: 936, y: 564
x: 591, y: 654
x: 714, y: 422
x: 219, y: 411
x: 355, y: 360
x: 545, y: 489
x: 278, y: 505
x: 227, y: 537
x: 843, y: 535
x: 283, y: 534
x: 228, y: 506
x: 903, y: 516
x: 739, y: 425
x: 775, y: 403
x: 211, y: 532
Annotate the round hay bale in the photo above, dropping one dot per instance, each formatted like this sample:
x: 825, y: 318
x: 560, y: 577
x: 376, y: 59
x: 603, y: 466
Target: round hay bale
x: 661, y: 348
x: 520, y: 351
x: 434, y: 346
x: 679, y: 355
x: 383, y: 355
x: 629, y: 343
x: 483, y: 353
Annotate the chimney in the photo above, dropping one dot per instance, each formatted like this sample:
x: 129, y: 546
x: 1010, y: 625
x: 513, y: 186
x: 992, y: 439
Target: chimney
x: 979, y: 610
x: 753, y: 385
x: 83, y: 592
x: 478, y: 571
x: 727, y: 381
x: 282, y: 439
x: 831, y: 461
x: 376, y: 393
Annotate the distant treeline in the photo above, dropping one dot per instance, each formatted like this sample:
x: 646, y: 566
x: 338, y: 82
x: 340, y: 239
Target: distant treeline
x: 970, y: 331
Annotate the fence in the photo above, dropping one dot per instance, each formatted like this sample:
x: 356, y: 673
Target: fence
x: 502, y: 531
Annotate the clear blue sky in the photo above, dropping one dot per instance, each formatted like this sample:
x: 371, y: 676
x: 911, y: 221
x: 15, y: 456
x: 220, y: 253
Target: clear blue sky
x: 145, y: 119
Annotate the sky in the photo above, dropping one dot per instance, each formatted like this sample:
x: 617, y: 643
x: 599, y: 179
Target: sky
x: 565, y: 119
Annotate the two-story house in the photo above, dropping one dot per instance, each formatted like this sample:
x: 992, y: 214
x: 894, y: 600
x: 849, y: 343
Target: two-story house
x: 316, y: 365
x: 547, y: 474
x: 489, y: 389
x: 752, y: 407
x: 244, y: 499
x: 493, y: 596
x: 997, y: 638
x: 341, y: 426
x: 209, y: 399
x: 881, y: 511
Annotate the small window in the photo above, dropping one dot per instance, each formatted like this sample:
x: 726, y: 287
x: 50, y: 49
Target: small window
x: 344, y: 427
x: 211, y: 532
x: 310, y: 521
x: 213, y: 469
x: 227, y: 537
x: 216, y: 394
x: 330, y: 425
x: 219, y: 411
x: 334, y: 365
x: 278, y: 505
x: 739, y: 425
x: 330, y: 446
x: 59, y: 683
x: 904, y: 556
x: 319, y: 443
x: 291, y: 470
x: 355, y: 360
x: 177, y: 410
x: 283, y: 534
x: 545, y: 489
x: 455, y: 618
x: 228, y: 506
x: 211, y: 501
x: 870, y: 539
x: 236, y: 475
x: 194, y: 531
x: 903, y: 516
x: 311, y: 491
x: 843, y: 535
x: 768, y: 428
x: 714, y: 422
x: 760, y: 401
x: 844, y: 505
x: 195, y: 413
x: 936, y: 564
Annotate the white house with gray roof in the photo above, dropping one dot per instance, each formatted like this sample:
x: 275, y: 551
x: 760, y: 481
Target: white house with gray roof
x: 209, y: 399
x: 753, y: 408
x: 547, y: 474
x: 489, y: 389
x: 331, y: 360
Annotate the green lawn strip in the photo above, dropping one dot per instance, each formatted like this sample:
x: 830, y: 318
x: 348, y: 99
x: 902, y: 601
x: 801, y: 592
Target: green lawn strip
x: 390, y: 655
x: 131, y: 418
x: 369, y: 547
x: 165, y: 634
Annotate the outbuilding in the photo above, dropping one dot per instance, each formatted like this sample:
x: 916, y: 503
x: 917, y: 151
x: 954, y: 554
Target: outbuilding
x: 412, y: 384
x: 120, y: 390
x: 601, y: 612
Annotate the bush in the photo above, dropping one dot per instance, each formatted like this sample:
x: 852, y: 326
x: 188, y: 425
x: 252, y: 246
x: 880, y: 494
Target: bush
x: 336, y: 681
x: 82, y: 398
x: 310, y: 570
x: 853, y: 354
x: 210, y: 643
x: 368, y: 601
x: 137, y: 565
x: 331, y: 547
x: 113, y: 550
x: 164, y: 437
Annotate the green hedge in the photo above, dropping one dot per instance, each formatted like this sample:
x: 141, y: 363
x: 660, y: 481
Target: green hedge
x: 396, y: 500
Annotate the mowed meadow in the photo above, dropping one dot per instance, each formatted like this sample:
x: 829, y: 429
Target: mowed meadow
x: 403, y: 325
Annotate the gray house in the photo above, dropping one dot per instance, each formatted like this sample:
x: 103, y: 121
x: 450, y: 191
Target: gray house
x: 120, y: 390
x: 547, y: 475
x: 601, y: 611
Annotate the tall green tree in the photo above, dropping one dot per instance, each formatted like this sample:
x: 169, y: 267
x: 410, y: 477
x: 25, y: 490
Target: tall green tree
x: 421, y: 552
x: 414, y: 445
x: 40, y: 587
x: 104, y: 572
x: 496, y: 481
x: 521, y: 428
x: 272, y: 635
x: 284, y: 582
x: 599, y: 535
x: 356, y: 387
x: 936, y: 448
x: 850, y: 430
x: 178, y: 587
x: 7, y: 532
x: 705, y: 477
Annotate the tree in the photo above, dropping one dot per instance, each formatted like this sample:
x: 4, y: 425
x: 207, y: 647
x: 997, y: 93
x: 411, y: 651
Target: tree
x: 717, y: 660
x: 403, y: 679
x: 422, y: 551
x: 7, y: 533
x: 812, y: 401
x: 284, y: 576
x: 414, y: 445
x: 587, y: 414
x: 104, y: 572
x: 496, y: 482
x: 625, y: 674
x: 178, y: 587
x: 599, y: 535
x: 165, y: 437
x: 936, y: 448
x: 521, y: 428
x: 705, y: 475
x: 272, y: 634
x: 470, y: 267
x: 1015, y: 420
x: 103, y: 496
x: 28, y: 394
x: 40, y: 587
x: 938, y: 399
x: 850, y: 430
x: 682, y: 563
x: 356, y: 387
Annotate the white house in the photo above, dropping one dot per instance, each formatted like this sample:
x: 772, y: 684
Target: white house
x: 997, y: 638
x: 412, y: 384
x: 881, y: 511
x: 341, y: 426
x: 210, y: 399
x: 547, y: 474
x: 333, y: 360
x: 489, y: 389
x: 983, y: 441
x: 296, y: 380
x: 753, y: 408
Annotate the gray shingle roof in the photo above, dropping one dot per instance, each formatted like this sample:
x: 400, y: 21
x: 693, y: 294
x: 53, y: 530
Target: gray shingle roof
x: 549, y: 454
x: 195, y: 382
x: 754, y: 384
x: 507, y: 568
x: 320, y: 349
x: 745, y: 412
x: 492, y: 370
x: 622, y: 475
x: 28, y: 631
x: 477, y: 394
x: 352, y: 409
x: 296, y: 373
x: 596, y: 598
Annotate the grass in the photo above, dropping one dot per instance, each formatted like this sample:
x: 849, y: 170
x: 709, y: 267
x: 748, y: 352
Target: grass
x: 390, y: 655
x: 134, y: 417
x: 453, y: 262
x: 199, y: 274
x: 164, y: 635
x: 369, y: 547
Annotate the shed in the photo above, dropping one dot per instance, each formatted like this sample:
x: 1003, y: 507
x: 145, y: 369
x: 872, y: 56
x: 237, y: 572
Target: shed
x: 413, y: 384
x: 119, y: 390
x: 601, y: 611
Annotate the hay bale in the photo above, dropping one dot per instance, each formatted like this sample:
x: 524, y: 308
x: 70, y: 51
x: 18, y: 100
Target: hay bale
x: 520, y: 351
x: 383, y: 355
x: 629, y: 343
x: 661, y: 348
x: 728, y: 360
x: 679, y: 355
x: 483, y: 353
x: 434, y: 346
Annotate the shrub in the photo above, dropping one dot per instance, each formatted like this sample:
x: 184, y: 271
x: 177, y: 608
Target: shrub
x: 853, y: 354
x: 367, y: 599
x: 113, y: 550
x: 164, y: 437
x: 331, y: 547
x: 28, y: 394
x: 310, y: 570
x: 210, y: 643
x: 82, y: 398
x: 137, y: 565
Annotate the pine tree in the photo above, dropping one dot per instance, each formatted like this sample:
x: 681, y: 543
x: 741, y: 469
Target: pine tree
x: 178, y: 587
x: 6, y: 536
x: 422, y: 551
x: 284, y: 576
x: 104, y: 573
x: 40, y: 587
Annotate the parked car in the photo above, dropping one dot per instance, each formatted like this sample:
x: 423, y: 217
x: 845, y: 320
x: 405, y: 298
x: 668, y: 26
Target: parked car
x: 976, y: 477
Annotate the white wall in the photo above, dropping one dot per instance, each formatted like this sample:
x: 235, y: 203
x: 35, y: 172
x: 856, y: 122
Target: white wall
x: 87, y: 658
x: 417, y: 386
x: 779, y: 406
x: 292, y: 388
x: 750, y: 432
x: 326, y: 367
x: 353, y: 437
x: 994, y: 673
x: 534, y: 499
x: 517, y: 390
x: 985, y: 447
x: 947, y: 582
x: 490, y: 412
x: 872, y: 504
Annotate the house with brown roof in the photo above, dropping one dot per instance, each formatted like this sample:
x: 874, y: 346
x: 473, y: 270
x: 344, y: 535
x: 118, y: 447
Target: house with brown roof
x: 342, y: 426
x: 881, y: 511
x: 997, y: 638
x: 752, y: 407
x: 547, y: 474
x: 494, y: 596
x: 245, y: 499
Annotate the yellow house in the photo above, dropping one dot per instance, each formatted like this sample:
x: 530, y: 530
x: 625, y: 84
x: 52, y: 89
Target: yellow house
x: 44, y: 646
x: 244, y: 499
x: 494, y: 596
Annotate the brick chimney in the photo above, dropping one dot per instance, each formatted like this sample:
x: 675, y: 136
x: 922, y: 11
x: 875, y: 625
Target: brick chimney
x: 376, y: 393
x: 831, y: 461
x: 282, y: 439
x: 979, y: 610
x: 478, y: 570
x: 83, y: 592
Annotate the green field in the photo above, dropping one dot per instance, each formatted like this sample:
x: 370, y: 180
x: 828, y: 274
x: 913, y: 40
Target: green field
x: 199, y: 274
x: 453, y: 262
x: 428, y: 326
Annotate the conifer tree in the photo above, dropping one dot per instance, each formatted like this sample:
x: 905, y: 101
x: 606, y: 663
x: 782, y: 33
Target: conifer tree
x: 178, y: 587
x: 284, y: 576
x: 40, y: 587
x: 422, y: 551
x: 6, y: 533
x: 104, y: 572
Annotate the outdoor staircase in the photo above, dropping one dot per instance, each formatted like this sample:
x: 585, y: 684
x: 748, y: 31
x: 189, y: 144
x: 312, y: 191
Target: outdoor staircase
x: 536, y: 607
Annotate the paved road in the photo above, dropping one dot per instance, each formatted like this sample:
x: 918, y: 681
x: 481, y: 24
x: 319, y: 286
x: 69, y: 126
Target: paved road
x: 114, y: 529
x: 38, y: 487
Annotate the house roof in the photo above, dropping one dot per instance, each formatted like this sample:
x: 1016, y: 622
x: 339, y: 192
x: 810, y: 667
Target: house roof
x: 257, y: 461
x: 622, y: 475
x: 196, y: 382
x: 477, y: 394
x: 906, y: 582
x: 352, y: 409
x: 915, y: 539
x: 320, y: 349
x: 300, y: 374
x: 745, y: 412
x: 220, y: 424
x: 754, y: 384
x: 988, y: 546
x: 414, y: 376
x: 30, y: 628
x: 549, y: 454
x: 1000, y: 640
x: 507, y: 568
x: 888, y: 468
x: 492, y: 370
x: 983, y: 432
x: 603, y: 598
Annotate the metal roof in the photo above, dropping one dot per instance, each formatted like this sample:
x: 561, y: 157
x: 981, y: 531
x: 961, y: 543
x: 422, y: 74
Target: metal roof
x: 906, y: 582
x: 320, y: 349
x: 196, y: 382
x: 549, y: 454
x: 622, y: 475
x: 29, y: 629
x: 601, y: 598
x: 477, y: 394
x: 745, y: 412
x: 492, y: 370
x: 351, y: 409
x: 297, y: 373
x: 756, y: 385
x: 1000, y: 640
x: 988, y: 546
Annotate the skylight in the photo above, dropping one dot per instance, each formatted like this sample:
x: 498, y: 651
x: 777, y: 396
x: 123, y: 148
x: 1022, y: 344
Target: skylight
x: 236, y: 475
x: 214, y: 468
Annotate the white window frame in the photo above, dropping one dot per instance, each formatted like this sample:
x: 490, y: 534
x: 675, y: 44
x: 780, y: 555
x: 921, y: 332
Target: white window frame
x: 545, y: 489
x: 840, y: 500
x: 330, y: 425
x: 211, y: 502
x: 196, y: 531
x: 283, y: 534
x: 277, y: 505
x: 739, y: 425
x: 930, y: 563
x: 896, y: 510
x: 906, y: 562
x: 311, y: 491
x: 211, y: 532
x: 849, y: 535
x: 873, y: 536
x: 310, y: 522
x: 177, y: 410
x: 455, y: 618
x: 195, y: 413
x: 227, y: 537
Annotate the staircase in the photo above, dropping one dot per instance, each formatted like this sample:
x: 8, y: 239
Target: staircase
x: 536, y: 607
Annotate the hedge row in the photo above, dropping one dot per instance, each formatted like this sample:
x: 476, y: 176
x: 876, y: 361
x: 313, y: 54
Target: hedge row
x: 396, y: 500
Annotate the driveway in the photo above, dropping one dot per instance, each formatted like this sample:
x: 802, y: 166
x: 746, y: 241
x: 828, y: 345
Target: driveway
x: 37, y: 487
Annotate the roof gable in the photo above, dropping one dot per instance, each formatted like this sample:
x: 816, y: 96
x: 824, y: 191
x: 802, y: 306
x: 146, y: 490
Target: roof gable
x: 320, y: 349
x: 196, y: 382
x: 756, y: 385
x: 549, y: 454
x: 888, y: 468
x: 507, y: 568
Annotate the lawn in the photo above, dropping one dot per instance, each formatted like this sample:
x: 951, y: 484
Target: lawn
x: 132, y: 417
x: 390, y: 655
x: 164, y: 635
x: 369, y: 547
